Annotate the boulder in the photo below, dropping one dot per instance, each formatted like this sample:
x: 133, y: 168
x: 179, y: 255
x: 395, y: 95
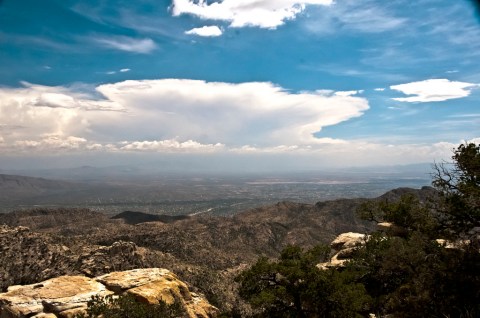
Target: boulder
x: 347, y: 240
x: 66, y: 296
x: 52, y: 296
x: 151, y: 285
x: 344, y: 246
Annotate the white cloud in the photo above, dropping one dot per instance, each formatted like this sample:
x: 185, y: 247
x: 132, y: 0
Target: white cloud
x: 241, y: 13
x: 51, y: 143
x: 194, y: 117
x: 128, y: 44
x: 171, y: 115
x: 207, y: 31
x: 123, y: 70
x: 433, y: 90
x: 348, y: 93
x: 39, y: 117
x: 233, y: 114
x: 347, y: 153
x: 380, y: 89
x: 170, y: 145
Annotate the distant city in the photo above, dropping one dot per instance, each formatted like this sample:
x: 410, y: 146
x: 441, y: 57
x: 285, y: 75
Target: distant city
x: 114, y: 190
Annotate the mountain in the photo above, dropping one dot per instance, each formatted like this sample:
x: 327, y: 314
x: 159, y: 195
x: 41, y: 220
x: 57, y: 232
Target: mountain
x: 17, y: 191
x: 206, y: 251
x: 24, y: 186
x: 132, y: 217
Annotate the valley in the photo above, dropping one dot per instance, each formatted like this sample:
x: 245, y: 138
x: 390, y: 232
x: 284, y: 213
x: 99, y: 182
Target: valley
x: 113, y: 191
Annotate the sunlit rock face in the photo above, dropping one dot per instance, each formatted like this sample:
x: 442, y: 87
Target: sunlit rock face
x: 343, y: 246
x: 66, y: 296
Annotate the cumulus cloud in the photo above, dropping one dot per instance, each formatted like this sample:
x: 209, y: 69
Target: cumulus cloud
x: 233, y: 114
x: 124, y: 70
x: 241, y: 13
x: 128, y: 44
x: 433, y: 90
x: 170, y: 145
x: 207, y: 31
x: 51, y: 143
x: 194, y: 117
x: 41, y: 117
x: 171, y: 115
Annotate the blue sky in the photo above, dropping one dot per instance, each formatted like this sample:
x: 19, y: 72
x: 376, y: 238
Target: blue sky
x: 304, y: 84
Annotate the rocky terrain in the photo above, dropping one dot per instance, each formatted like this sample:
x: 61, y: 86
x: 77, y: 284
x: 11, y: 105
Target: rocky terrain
x: 205, y: 251
x: 66, y: 296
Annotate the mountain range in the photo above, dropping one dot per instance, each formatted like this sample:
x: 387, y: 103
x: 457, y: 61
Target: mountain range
x: 206, y: 251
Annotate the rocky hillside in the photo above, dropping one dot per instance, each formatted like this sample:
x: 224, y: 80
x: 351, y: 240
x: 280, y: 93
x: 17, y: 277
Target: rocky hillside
x: 205, y: 251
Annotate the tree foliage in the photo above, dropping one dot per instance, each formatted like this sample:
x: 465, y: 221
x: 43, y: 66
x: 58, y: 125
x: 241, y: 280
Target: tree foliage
x: 125, y: 306
x: 293, y: 286
x: 404, y: 272
x: 459, y: 184
x: 409, y: 215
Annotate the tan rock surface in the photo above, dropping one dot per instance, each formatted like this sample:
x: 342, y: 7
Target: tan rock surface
x: 346, y: 240
x: 121, y: 281
x: 344, y: 246
x: 66, y: 296
x: 51, y: 296
x: 151, y: 285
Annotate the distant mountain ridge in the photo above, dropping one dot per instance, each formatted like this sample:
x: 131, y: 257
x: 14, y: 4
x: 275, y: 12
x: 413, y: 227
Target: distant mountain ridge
x: 22, y: 184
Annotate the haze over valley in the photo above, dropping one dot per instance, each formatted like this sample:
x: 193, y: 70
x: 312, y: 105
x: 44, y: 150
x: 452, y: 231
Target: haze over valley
x: 113, y: 190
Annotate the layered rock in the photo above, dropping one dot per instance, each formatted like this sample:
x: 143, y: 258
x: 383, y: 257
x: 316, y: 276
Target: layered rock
x: 66, y: 296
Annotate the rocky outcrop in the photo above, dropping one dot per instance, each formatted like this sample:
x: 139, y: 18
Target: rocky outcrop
x: 120, y: 255
x: 28, y: 257
x: 154, y: 284
x: 66, y: 296
x: 347, y: 240
x: 343, y: 247
x: 62, y: 296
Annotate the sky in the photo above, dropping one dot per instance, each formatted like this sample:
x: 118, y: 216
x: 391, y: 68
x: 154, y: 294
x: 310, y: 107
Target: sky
x: 237, y: 84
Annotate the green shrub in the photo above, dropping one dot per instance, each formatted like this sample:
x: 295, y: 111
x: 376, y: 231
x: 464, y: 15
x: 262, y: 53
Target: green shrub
x: 125, y: 306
